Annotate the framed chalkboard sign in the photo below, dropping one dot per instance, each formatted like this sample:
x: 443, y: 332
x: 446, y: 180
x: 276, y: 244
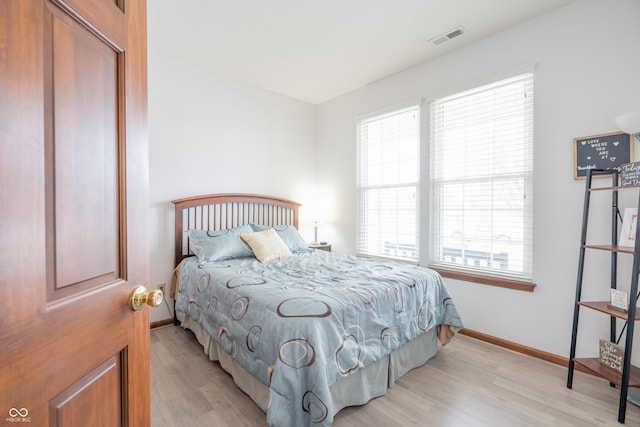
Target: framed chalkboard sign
x: 606, y: 151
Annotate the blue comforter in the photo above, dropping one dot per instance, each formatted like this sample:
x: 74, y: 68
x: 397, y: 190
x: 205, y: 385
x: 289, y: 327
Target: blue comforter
x: 303, y: 323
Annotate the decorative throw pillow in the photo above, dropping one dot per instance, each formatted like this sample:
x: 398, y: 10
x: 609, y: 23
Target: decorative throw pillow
x: 289, y: 235
x: 267, y: 245
x: 218, y: 245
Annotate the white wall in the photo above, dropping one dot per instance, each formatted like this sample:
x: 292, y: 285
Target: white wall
x: 587, y: 72
x: 210, y: 134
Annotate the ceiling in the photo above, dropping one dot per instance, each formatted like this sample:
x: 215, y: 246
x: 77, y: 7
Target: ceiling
x: 315, y: 50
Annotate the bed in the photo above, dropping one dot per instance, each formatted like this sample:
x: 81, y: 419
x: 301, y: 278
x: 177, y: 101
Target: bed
x: 303, y: 332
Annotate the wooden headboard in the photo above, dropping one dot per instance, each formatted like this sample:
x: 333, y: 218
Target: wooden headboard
x: 220, y: 211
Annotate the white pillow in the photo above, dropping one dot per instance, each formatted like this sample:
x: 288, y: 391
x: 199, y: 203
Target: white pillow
x: 267, y: 245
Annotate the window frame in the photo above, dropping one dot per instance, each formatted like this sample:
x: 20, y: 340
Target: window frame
x: 363, y: 188
x: 489, y: 276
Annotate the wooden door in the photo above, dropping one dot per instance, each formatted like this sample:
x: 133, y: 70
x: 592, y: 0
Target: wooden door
x: 73, y: 203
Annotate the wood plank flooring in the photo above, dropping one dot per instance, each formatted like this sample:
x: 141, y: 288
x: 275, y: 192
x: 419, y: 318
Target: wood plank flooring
x: 469, y: 384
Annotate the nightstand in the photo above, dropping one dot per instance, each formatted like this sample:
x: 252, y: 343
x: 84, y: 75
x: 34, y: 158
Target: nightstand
x: 321, y: 246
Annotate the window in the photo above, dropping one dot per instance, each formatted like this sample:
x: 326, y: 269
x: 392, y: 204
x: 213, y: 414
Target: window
x: 481, y: 180
x: 389, y: 173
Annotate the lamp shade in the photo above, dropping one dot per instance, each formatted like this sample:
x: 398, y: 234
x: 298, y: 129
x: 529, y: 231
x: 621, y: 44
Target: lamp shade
x: 629, y: 122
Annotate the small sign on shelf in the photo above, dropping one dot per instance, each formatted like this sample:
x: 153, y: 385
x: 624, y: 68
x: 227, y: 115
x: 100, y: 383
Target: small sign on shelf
x: 619, y: 300
x: 611, y: 355
x: 630, y: 173
x: 628, y: 228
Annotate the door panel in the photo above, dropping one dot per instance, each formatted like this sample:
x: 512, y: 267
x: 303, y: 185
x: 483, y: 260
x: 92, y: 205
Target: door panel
x: 89, y: 402
x: 83, y: 148
x: 73, y: 192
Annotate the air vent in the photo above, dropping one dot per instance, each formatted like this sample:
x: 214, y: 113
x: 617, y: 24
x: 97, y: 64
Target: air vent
x: 443, y: 38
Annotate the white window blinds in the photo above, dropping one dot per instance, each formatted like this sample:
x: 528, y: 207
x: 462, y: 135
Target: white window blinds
x: 389, y: 173
x: 481, y: 179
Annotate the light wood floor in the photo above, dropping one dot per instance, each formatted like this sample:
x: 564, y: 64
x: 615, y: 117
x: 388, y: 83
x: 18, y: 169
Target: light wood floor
x: 469, y: 383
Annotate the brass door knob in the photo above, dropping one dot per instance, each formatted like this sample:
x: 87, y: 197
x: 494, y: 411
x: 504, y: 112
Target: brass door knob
x: 139, y: 297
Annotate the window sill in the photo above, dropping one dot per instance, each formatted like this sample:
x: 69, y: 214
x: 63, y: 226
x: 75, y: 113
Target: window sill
x: 486, y: 280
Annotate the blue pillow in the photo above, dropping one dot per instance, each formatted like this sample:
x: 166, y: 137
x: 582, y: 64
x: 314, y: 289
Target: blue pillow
x: 289, y: 234
x: 218, y: 245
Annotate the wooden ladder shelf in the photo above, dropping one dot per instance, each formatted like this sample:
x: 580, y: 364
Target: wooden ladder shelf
x: 630, y: 375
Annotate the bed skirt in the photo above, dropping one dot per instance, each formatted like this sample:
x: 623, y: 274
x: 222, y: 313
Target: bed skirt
x: 356, y: 389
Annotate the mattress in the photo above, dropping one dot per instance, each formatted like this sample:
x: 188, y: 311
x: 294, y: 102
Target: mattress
x: 312, y: 333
